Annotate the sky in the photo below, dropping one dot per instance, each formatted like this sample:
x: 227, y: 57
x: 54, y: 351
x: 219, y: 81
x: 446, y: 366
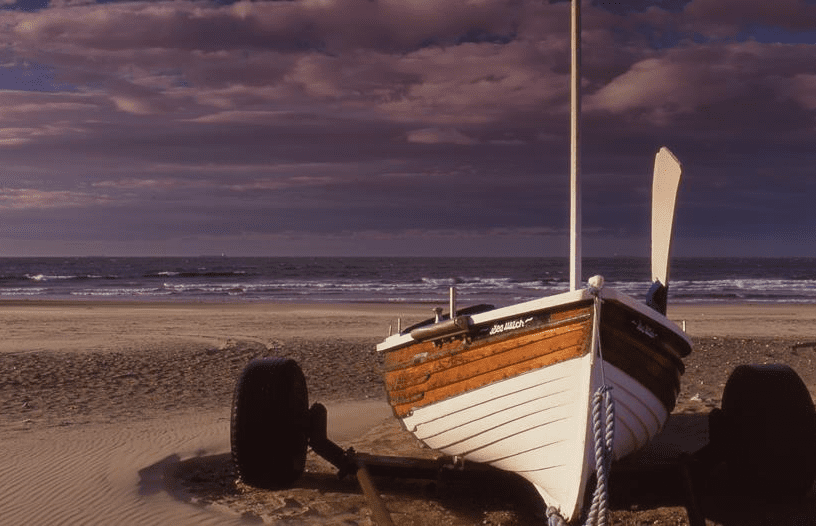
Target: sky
x: 401, y: 127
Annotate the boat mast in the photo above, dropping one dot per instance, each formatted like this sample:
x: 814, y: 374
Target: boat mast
x: 575, y: 145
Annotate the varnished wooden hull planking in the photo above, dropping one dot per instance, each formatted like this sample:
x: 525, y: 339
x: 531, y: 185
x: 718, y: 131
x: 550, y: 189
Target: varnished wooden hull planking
x: 429, y: 372
x: 519, y: 399
x: 646, y: 350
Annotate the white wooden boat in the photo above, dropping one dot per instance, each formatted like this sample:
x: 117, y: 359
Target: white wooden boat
x: 516, y: 387
x: 513, y: 387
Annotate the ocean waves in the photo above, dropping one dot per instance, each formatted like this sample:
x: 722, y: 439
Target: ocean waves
x: 499, y: 281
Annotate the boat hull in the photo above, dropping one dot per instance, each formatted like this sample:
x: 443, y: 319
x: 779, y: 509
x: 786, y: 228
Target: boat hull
x: 515, y: 389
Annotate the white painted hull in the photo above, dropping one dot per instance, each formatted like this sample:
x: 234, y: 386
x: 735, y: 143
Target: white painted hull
x: 538, y: 423
x: 539, y: 426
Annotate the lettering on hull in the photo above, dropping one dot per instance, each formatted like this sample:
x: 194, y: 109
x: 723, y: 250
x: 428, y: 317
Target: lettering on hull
x: 499, y: 328
x: 644, y: 329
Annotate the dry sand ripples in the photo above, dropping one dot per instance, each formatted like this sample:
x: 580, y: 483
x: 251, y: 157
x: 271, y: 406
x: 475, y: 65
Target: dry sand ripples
x: 89, y: 475
x: 55, y: 388
x: 108, y: 437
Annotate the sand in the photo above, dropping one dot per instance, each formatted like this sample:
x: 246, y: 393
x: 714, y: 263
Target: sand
x: 118, y: 413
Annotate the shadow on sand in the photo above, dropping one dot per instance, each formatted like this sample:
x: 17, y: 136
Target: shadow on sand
x: 643, y: 489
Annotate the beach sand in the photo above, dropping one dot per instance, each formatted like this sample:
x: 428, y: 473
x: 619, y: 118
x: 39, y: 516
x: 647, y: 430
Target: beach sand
x: 118, y: 413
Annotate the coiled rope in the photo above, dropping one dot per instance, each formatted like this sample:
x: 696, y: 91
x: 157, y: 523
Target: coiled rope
x: 603, y: 427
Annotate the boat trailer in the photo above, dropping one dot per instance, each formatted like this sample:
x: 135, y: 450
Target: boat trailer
x: 762, y: 436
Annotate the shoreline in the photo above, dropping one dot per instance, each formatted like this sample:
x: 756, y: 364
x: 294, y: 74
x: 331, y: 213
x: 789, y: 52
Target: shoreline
x: 372, y: 319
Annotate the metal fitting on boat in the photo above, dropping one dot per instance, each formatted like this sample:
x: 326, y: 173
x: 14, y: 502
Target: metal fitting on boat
x: 595, y: 283
x: 443, y: 329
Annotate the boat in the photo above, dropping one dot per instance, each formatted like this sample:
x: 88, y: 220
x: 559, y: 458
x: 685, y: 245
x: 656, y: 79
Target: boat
x: 513, y: 387
x: 555, y: 388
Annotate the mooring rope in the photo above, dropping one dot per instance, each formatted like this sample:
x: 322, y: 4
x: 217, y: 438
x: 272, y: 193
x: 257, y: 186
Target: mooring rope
x: 603, y: 410
x: 554, y: 518
x: 603, y: 427
x: 604, y: 440
x: 603, y: 423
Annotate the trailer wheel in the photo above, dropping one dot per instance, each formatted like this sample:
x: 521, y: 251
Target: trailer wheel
x: 269, y: 423
x: 766, y: 430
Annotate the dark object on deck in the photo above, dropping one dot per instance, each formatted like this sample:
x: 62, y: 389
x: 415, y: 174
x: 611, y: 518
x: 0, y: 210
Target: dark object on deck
x: 269, y: 428
x: 467, y: 311
x: 766, y: 430
x: 658, y: 297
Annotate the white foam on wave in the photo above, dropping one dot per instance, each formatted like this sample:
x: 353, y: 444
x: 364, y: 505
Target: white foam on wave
x: 485, y: 280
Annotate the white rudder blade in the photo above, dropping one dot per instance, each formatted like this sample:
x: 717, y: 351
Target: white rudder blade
x: 667, y: 172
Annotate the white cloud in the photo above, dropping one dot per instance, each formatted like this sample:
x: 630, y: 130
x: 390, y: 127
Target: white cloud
x: 272, y: 184
x: 474, y: 83
x: 34, y: 199
x: 685, y: 79
x: 16, y: 136
x: 133, y: 105
x: 133, y: 183
x: 802, y: 88
x: 439, y: 136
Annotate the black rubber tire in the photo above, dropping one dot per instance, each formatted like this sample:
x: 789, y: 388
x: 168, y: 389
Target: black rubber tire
x: 767, y: 431
x: 269, y: 424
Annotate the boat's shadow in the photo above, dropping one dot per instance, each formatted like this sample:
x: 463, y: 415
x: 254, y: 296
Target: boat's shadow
x: 649, y: 488
x: 320, y: 497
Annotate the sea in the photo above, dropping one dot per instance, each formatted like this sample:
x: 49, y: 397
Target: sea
x: 497, y: 281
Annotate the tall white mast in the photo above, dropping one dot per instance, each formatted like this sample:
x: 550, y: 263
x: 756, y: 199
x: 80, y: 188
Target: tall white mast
x: 575, y: 146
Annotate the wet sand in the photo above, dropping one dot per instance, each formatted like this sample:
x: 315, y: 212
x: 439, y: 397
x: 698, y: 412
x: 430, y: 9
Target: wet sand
x: 119, y: 413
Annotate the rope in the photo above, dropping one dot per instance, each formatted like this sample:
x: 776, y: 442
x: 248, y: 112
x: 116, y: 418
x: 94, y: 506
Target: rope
x: 554, y: 518
x: 603, y: 424
x: 603, y: 427
x: 604, y: 440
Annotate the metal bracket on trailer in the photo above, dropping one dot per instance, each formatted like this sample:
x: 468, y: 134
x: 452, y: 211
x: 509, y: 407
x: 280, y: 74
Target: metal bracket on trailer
x: 364, y: 465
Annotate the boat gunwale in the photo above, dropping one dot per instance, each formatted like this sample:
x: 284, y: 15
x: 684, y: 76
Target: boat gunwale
x: 539, y: 304
x: 488, y: 340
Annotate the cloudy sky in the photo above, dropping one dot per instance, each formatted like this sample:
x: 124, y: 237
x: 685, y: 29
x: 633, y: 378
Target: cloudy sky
x: 401, y: 127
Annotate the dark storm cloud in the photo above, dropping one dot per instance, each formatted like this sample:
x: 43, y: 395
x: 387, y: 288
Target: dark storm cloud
x: 385, y: 127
